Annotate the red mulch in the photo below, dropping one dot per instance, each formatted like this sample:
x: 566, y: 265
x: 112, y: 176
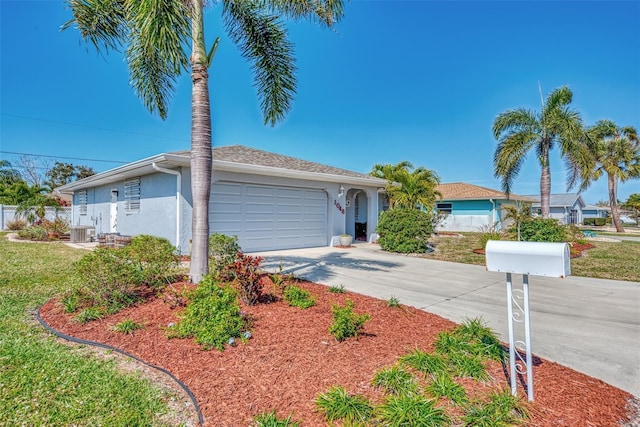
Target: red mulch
x: 292, y: 357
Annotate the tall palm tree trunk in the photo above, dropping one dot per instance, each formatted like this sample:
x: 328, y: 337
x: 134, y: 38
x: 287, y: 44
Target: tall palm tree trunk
x: 201, y: 153
x: 613, y: 202
x: 545, y: 188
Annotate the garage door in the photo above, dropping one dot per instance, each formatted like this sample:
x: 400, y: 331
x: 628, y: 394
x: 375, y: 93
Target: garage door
x: 269, y: 218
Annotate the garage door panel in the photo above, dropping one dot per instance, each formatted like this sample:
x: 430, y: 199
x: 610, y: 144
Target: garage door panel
x: 269, y: 218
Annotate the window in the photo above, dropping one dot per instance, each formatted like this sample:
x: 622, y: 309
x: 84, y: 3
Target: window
x: 82, y: 202
x: 132, y: 195
x: 444, y: 208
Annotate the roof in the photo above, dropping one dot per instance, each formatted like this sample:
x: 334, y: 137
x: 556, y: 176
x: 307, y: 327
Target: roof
x: 596, y: 208
x: 232, y: 158
x: 560, y: 200
x: 464, y: 191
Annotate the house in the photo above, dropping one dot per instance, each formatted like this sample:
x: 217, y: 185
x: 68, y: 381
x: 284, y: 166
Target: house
x: 269, y: 201
x: 593, y: 211
x: 468, y: 207
x: 567, y: 208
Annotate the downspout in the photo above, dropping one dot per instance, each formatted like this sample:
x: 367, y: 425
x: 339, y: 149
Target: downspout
x: 178, y: 176
x: 493, y: 213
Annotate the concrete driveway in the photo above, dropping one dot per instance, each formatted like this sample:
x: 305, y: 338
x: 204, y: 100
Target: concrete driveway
x: 590, y: 325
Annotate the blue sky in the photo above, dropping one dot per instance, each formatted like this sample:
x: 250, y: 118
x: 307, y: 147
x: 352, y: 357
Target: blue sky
x: 417, y: 80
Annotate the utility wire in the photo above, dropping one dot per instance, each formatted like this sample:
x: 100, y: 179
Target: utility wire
x: 61, y: 157
x: 90, y: 127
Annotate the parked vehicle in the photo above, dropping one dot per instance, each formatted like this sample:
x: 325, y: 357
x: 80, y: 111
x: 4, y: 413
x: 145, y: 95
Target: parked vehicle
x: 626, y: 219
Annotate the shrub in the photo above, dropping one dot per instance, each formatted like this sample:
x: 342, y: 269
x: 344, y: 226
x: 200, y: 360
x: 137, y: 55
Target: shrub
x: 489, y: 232
x: 156, y: 257
x: 589, y: 221
x: 395, y: 380
x: 573, y: 233
x: 246, y: 275
x: 89, y: 314
x: 17, y: 224
x: 346, y: 323
x: 212, y: 316
x: 404, y: 230
x: 223, y: 251
x: 298, y: 297
x: 542, y: 230
x: 411, y: 410
x: 340, y: 289
x: 57, y: 226
x: 37, y: 232
x: 109, y: 277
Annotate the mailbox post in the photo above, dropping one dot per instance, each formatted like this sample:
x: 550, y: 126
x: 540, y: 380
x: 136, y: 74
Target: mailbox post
x: 535, y: 258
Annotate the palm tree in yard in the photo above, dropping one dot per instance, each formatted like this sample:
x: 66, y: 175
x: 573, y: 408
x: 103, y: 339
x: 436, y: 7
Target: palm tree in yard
x: 163, y: 38
x: 611, y: 150
x: 409, y: 188
x: 520, y: 131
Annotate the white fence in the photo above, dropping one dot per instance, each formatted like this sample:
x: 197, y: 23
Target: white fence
x: 8, y: 213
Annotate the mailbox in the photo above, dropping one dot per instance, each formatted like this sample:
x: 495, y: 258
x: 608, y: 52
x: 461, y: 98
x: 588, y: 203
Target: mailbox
x: 534, y: 258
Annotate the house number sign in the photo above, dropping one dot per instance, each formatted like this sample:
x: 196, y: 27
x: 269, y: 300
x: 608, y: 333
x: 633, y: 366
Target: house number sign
x: 338, y: 206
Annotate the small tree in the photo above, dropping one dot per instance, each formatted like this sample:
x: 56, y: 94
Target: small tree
x: 519, y: 213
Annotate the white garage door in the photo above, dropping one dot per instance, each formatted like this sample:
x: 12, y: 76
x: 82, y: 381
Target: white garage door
x: 269, y: 218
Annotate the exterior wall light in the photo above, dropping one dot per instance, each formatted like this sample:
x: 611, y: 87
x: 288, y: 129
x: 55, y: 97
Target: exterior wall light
x: 341, y: 191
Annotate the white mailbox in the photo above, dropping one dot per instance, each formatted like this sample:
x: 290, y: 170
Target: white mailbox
x: 534, y: 258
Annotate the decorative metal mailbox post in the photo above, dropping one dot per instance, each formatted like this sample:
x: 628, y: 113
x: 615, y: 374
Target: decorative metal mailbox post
x: 535, y: 258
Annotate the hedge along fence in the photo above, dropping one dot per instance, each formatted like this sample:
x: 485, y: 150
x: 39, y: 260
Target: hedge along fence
x: 596, y: 221
x: 8, y: 214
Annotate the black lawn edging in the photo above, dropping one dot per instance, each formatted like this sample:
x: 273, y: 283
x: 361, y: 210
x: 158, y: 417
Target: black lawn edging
x: 124, y: 353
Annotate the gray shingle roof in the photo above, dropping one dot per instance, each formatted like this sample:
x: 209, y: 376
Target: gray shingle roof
x: 252, y: 156
x: 562, y: 200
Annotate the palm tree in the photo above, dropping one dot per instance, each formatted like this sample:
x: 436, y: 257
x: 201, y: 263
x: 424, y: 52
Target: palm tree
x: 408, y: 188
x: 633, y: 202
x: 163, y: 38
x: 519, y: 213
x: 612, y: 150
x: 519, y: 131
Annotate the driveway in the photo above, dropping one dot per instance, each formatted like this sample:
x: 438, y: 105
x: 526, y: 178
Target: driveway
x: 590, y: 325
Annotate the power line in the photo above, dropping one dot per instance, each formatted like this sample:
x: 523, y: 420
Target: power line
x: 61, y: 157
x: 91, y: 127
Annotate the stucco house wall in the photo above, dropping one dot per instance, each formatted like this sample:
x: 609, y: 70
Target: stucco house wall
x: 264, y: 188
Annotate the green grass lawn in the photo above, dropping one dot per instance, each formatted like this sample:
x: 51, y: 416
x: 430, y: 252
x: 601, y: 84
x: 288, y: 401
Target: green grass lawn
x: 44, y: 382
x: 618, y: 261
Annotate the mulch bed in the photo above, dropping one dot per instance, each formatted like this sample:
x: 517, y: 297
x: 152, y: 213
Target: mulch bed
x: 292, y: 357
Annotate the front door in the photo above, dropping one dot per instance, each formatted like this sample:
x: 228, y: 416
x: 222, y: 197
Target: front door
x: 113, y: 212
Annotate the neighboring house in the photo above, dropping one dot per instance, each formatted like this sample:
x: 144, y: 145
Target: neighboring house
x: 566, y: 208
x: 592, y: 211
x: 268, y: 200
x: 467, y: 207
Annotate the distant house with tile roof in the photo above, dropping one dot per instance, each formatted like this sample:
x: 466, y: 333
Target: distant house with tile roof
x: 268, y: 200
x: 565, y: 207
x: 467, y: 207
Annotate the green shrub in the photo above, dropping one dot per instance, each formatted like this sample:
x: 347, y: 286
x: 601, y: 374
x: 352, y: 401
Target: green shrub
x: 298, y: 297
x: 340, y: 289
x: 109, y: 277
x: 404, y: 230
x: 89, y: 314
x: 589, y: 221
x: 346, y: 323
x: 57, y: 226
x: 156, y: 257
x: 223, y: 251
x: 542, y: 230
x: 36, y: 232
x: 212, y: 316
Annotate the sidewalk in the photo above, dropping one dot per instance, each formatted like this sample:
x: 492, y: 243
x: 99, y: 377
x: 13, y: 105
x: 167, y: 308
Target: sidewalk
x: 591, y: 325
